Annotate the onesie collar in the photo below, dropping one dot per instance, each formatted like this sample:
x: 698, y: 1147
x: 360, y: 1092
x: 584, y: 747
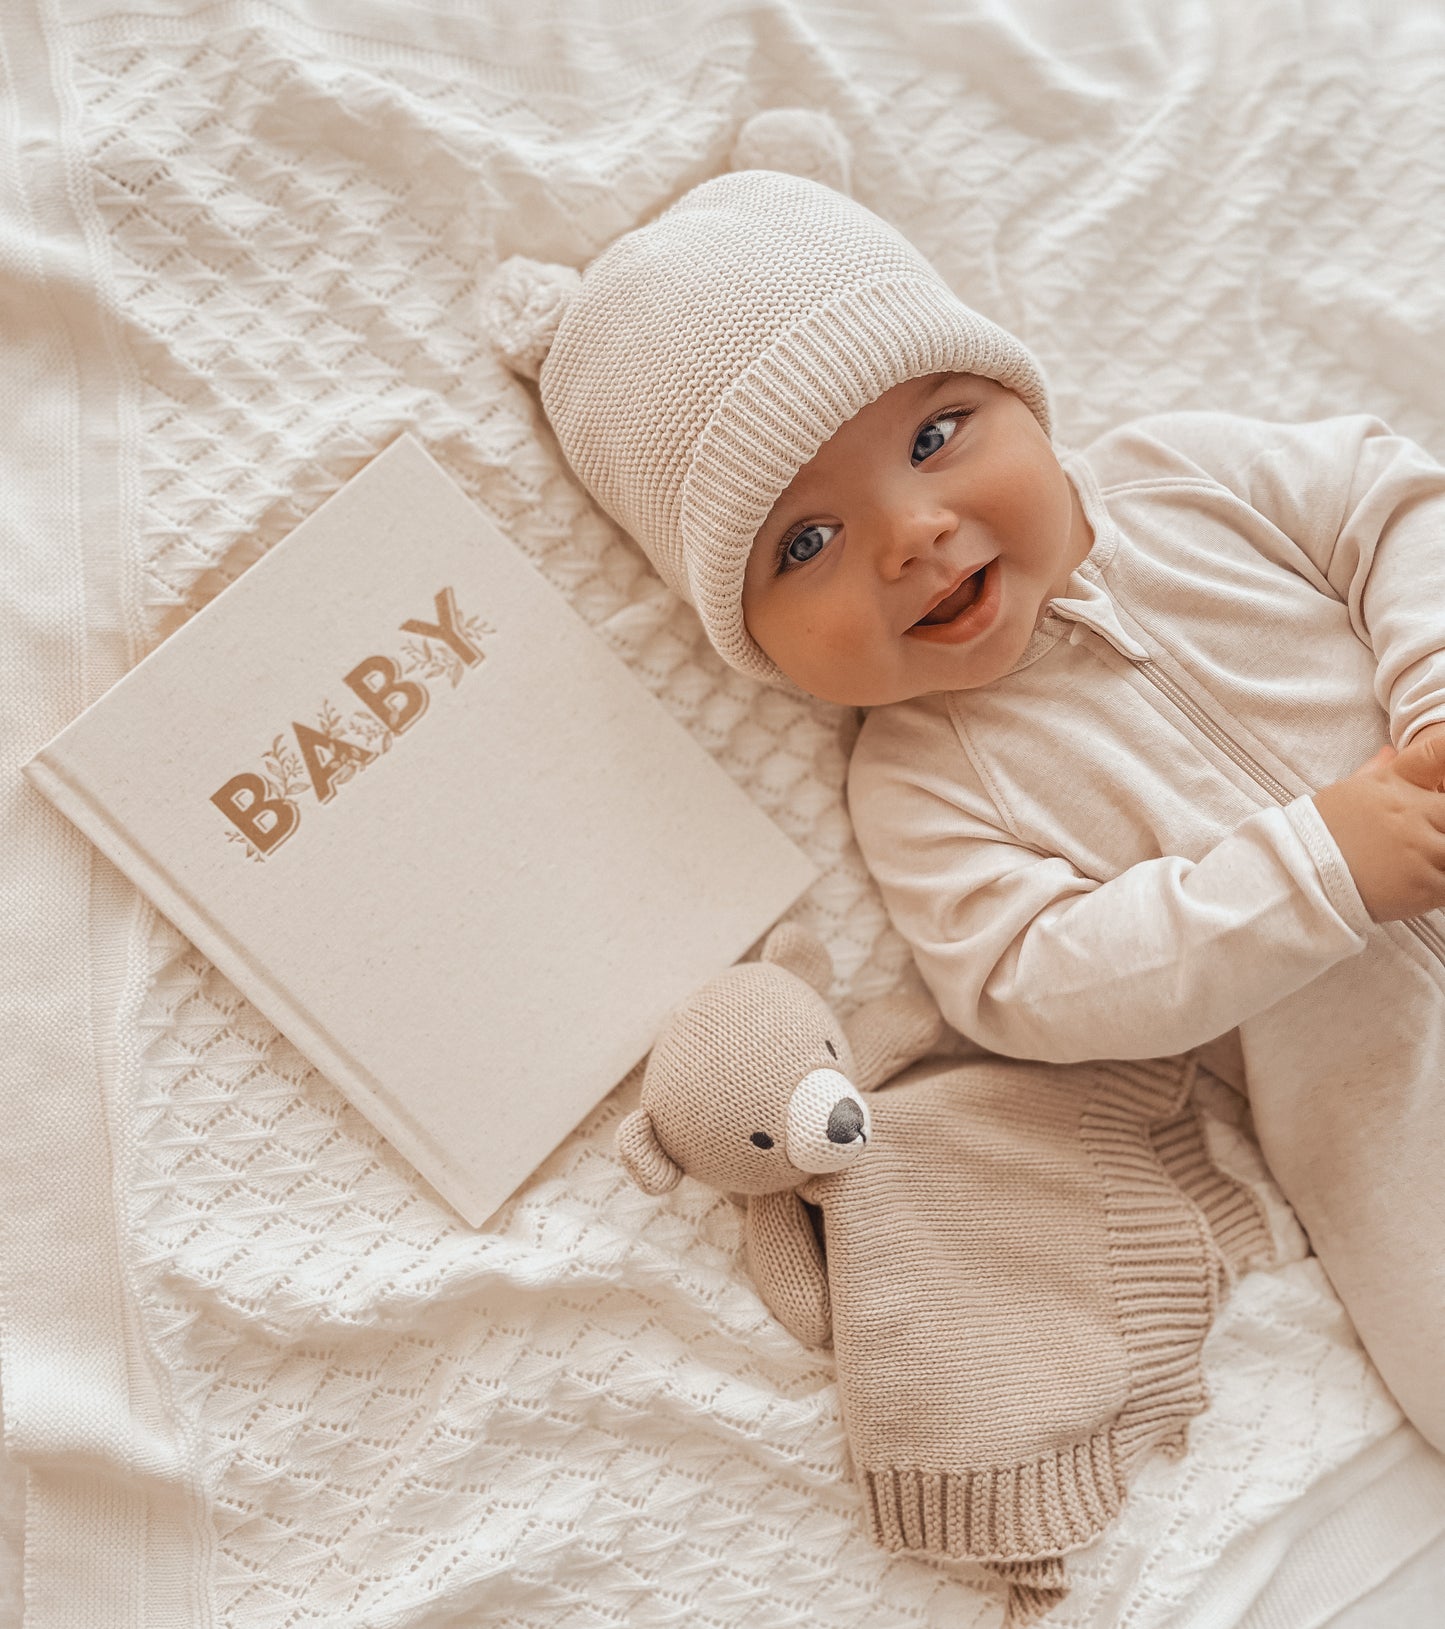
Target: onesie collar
x: 1086, y: 600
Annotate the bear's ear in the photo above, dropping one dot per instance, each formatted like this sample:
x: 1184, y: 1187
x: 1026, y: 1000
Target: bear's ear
x: 801, y: 951
x: 643, y: 1157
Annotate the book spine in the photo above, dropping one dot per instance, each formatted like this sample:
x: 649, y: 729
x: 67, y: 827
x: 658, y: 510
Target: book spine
x: 48, y: 774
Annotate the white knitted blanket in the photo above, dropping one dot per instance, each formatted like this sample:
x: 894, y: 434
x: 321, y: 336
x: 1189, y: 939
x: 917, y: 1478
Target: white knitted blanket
x: 253, y: 1374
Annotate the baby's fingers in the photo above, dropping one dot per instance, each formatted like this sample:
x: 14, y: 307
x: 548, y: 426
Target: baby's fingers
x: 1422, y: 763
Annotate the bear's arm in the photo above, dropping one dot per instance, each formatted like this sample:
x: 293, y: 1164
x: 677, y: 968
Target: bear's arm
x: 889, y: 1033
x: 786, y: 1263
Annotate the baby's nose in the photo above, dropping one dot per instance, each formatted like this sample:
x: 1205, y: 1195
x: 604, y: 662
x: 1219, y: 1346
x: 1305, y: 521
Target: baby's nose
x: 915, y: 530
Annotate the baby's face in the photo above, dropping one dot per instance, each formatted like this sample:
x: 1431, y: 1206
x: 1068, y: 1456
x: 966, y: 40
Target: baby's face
x: 937, y: 478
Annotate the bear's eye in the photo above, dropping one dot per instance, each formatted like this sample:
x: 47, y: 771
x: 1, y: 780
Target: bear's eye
x: 762, y: 1140
x: 833, y: 1049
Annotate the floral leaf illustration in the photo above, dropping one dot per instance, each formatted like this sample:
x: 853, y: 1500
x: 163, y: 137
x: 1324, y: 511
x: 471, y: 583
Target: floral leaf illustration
x: 252, y: 852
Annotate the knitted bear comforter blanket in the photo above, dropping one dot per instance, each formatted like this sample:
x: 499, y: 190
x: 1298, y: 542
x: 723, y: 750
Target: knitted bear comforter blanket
x: 1022, y: 1269
x: 253, y: 1372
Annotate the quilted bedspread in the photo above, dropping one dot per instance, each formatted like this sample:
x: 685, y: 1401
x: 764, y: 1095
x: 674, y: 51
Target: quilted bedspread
x: 254, y: 1374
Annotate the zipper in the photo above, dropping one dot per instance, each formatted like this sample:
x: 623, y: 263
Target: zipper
x: 1231, y: 748
x: 1424, y: 930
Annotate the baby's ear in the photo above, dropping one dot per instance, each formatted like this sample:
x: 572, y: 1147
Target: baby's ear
x: 643, y: 1157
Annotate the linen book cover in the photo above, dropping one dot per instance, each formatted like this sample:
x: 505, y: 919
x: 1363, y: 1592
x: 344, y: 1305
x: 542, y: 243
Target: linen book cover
x: 415, y: 809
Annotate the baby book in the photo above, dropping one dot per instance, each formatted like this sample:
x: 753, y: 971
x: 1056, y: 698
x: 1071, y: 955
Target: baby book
x: 407, y: 800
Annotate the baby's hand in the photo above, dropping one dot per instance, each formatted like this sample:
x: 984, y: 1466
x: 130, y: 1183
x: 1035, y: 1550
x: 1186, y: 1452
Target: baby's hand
x: 1388, y: 819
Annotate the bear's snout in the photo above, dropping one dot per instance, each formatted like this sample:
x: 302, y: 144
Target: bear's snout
x: 828, y: 1122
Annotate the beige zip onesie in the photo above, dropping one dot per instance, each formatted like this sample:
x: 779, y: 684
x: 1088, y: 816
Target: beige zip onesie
x: 1111, y: 851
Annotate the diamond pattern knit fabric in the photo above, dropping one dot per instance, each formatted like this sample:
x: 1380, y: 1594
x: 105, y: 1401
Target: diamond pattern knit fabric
x: 585, y: 1417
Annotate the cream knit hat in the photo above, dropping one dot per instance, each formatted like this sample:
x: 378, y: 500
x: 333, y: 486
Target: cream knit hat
x: 702, y: 359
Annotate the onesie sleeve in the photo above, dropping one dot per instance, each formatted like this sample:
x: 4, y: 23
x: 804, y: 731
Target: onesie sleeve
x: 1360, y: 511
x: 1031, y: 958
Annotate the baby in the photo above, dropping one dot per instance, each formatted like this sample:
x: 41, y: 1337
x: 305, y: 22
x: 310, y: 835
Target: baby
x: 1129, y: 779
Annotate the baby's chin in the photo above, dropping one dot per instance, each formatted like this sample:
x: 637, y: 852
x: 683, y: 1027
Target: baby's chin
x: 878, y: 693
x: 880, y: 683
x: 893, y: 675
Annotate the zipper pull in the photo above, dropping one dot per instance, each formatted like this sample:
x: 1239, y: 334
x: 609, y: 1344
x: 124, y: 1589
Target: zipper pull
x: 1114, y: 635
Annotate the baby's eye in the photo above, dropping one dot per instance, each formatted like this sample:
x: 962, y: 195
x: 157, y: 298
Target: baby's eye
x: 807, y: 542
x: 938, y: 429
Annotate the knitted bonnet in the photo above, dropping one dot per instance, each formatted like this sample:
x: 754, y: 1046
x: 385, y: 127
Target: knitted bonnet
x: 702, y: 359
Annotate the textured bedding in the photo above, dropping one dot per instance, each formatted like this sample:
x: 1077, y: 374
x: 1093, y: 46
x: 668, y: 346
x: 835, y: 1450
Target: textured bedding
x: 253, y: 1372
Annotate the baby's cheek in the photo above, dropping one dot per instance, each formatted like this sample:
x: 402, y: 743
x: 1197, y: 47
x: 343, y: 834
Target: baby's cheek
x: 843, y: 647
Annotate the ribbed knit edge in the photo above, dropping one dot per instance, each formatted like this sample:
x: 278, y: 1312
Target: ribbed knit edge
x: 1165, y: 1274
x: 1164, y: 1264
x: 1036, y: 1587
x: 1010, y: 1513
x: 1236, y: 1219
x: 115, y: 1532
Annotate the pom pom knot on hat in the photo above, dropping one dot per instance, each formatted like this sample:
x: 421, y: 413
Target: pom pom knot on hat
x: 702, y: 359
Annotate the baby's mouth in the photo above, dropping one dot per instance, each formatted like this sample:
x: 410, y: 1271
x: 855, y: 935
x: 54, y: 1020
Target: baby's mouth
x: 959, y: 600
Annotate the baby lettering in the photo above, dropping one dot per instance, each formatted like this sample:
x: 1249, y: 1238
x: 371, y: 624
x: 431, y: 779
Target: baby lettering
x: 263, y: 808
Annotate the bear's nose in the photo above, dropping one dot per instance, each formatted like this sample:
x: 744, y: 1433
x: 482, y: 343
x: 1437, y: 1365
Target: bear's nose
x: 828, y: 1122
x: 846, y: 1120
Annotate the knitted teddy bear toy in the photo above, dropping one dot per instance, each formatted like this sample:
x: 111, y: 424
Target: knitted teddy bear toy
x: 1016, y: 1263
x: 779, y: 1098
